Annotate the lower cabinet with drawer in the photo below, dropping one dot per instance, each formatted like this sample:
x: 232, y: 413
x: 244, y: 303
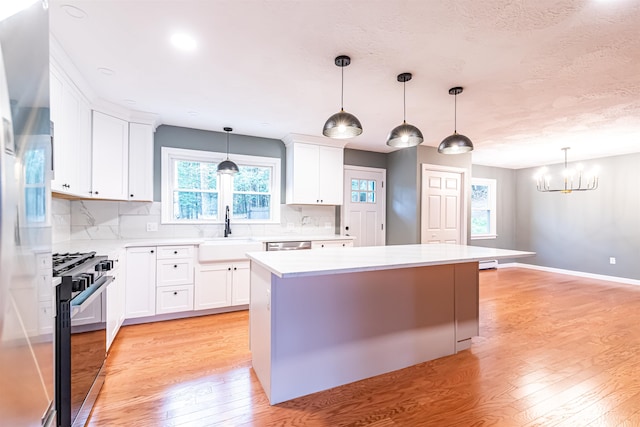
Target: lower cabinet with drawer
x: 172, y: 299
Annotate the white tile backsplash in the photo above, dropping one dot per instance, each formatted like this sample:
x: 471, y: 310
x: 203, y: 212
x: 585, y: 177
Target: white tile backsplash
x: 99, y: 219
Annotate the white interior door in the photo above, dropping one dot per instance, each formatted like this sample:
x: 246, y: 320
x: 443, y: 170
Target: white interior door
x: 363, y: 210
x: 443, y: 209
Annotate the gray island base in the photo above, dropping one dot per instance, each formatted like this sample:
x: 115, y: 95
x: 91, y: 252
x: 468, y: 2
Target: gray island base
x: 317, y: 324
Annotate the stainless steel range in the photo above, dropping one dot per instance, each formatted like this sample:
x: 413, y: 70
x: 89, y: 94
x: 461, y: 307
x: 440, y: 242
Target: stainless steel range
x: 81, y: 333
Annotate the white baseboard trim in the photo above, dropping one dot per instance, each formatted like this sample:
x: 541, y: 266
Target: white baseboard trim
x: 572, y: 273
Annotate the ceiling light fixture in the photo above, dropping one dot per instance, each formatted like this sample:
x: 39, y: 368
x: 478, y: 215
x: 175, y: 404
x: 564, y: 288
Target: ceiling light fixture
x: 183, y: 41
x: 342, y: 125
x: 405, y: 135
x: 571, y: 183
x: 455, y: 143
x: 227, y: 166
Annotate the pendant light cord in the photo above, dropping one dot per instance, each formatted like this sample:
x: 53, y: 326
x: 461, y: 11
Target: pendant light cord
x: 404, y: 102
x: 455, y: 113
x: 342, y: 89
x: 227, y: 145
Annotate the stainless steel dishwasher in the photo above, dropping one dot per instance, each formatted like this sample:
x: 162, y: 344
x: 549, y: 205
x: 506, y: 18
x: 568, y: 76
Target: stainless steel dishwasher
x: 289, y: 246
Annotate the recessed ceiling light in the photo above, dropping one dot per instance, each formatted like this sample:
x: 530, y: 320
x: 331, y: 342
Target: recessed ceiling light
x: 74, y: 12
x: 106, y: 71
x: 183, y: 41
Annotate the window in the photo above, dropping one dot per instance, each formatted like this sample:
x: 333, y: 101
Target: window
x: 483, y: 208
x: 193, y: 192
x: 363, y: 191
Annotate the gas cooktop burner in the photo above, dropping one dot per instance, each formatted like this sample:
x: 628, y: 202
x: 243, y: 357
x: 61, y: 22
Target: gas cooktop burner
x: 68, y: 261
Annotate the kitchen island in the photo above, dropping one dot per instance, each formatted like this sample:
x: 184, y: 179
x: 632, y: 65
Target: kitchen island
x: 320, y: 319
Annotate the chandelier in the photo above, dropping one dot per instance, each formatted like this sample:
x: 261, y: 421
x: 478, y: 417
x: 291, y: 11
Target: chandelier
x: 573, y: 179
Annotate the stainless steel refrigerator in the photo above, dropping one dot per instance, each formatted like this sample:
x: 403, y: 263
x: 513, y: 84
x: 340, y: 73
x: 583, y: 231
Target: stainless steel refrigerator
x: 26, y: 302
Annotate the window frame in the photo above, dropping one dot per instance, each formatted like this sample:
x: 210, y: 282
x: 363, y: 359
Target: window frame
x: 225, y: 183
x: 493, y: 214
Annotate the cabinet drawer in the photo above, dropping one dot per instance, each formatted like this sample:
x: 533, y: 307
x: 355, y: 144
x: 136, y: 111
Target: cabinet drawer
x: 171, y: 252
x: 174, y: 272
x: 171, y: 299
x: 316, y: 244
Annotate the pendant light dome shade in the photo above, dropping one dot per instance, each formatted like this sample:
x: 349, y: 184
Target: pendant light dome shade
x: 405, y: 135
x: 227, y: 166
x: 342, y: 125
x: 455, y: 143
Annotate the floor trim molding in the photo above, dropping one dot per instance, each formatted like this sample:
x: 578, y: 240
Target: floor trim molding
x: 572, y: 273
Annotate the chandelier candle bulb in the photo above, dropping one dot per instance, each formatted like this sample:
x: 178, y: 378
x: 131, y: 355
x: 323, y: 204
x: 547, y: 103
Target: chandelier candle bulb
x: 584, y: 183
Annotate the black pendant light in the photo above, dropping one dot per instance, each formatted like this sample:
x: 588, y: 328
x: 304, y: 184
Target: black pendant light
x: 342, y: 125
x: 405, y: 135
x: 456, y: 143
x: 227, y: 166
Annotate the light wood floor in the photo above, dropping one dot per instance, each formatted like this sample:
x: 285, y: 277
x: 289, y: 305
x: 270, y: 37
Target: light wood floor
x: 554, y: 350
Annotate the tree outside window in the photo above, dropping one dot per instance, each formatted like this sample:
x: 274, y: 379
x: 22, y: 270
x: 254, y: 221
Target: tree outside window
x: 483, y: 208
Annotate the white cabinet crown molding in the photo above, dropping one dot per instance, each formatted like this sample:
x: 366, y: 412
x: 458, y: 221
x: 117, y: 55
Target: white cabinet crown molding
x: 315, y: 140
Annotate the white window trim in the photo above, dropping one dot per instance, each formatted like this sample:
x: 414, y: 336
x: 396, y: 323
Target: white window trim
x: 225, y: 189
x: 492, y: 184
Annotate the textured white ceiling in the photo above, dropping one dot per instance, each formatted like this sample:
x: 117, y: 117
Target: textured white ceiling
x: 537, y: 75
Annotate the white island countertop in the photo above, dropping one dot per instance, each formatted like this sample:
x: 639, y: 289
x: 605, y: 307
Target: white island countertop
x: 370, y: 258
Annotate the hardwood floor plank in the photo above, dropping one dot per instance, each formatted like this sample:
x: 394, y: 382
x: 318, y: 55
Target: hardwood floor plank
x: 553, y: 350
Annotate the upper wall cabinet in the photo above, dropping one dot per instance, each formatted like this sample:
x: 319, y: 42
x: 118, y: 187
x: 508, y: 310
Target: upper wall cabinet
x: 71, y: 117
x: 314, y: 170
x: 140, y: 162
x: 110, y: 166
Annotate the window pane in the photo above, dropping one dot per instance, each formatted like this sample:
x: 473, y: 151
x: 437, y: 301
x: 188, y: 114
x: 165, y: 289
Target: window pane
x: 479, y: 197
x: 363, y: 197
x: 195, y: 205
x: 34, y: 167
x: 252, y: 206
x: 196, y: 175
x: 35, y: 208
x: 371, y: 197
x: 480, y: 222
x: 354, y: 196
x: 354, y: 184
x: 363, y: 184
x: 252, y: 178
x: 372, y: 186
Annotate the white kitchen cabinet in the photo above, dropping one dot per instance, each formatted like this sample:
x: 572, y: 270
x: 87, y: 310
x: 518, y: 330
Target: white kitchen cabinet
x: 240, y: 283
x: 71, y: 117
x: 212, y: 286
x: 222, y: 284
x: 319, y: 244
x: 140, y: 162
x: 174, y: 272
x: 110, y: 154
x: 172, y: 299
x: 116, y: 299
x: 314, y: 172
x: 140, y: 282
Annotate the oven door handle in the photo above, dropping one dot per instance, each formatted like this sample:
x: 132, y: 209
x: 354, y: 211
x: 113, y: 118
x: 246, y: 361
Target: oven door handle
x: 89, y: 295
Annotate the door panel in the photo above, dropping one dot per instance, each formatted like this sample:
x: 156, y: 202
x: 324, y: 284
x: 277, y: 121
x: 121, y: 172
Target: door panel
x: 364, y: 205
x: 441, y: 207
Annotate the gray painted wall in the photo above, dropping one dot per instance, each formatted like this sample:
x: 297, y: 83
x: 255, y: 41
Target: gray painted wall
x: 365, y: 158
x: 195, y: 139
x: 402, y: 202
x: 580, y: 231
x: 505, y: 206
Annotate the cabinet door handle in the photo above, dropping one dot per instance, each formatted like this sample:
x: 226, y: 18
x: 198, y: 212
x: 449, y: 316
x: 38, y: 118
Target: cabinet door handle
x: 130, y: 195
x: 175, y: 292
x: 95, y: 192
x: 152, y: 251
x: 234, y: 268
x: 175, y: 252
x: 175, y: 266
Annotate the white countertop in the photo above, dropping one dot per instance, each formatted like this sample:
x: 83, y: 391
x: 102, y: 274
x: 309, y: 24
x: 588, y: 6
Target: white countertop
x: 356, y: 259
